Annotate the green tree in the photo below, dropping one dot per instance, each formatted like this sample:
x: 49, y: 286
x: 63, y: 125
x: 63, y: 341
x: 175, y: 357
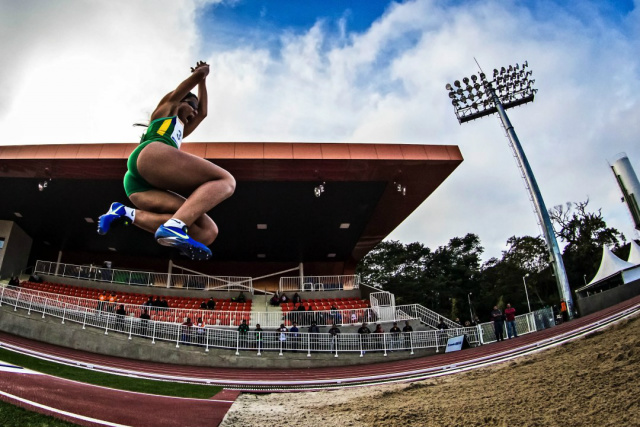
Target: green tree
x: 584, y: 233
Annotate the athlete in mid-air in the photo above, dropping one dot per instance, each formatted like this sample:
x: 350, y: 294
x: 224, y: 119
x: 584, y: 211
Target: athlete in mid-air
x: 172, y: 191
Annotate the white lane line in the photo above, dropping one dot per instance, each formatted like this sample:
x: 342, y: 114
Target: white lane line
x: 58, y: 411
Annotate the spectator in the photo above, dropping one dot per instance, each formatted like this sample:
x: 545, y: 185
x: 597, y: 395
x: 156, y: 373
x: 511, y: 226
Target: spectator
x: 296, y: 299
x: 157, y: 302
x: 148, y: 303
x: 354, y: 317
x: 211, y: 304
x: 458, y: 321
x: 144, y: 322
x: 395, y: 336
x: 284, y: 299
x: 314, y: 329
x: 510, y: 315
x: 186, y: 330
x: 113, y: 299
x: 442, y: 325
x: 241, y: 298
x: 243, y: 330
x: 15, y: 282
x: 295, y: 336
x: 378, y: 329
x: 407, y: 330
x: 333, y: 335
x: 164, y: 303
x: 121, y: 313
x: 467, y: 324
x: 364, y: 332
x: 498, y: 323
x: 258, y: 332
x: 275, y: 300
x: 476, y: 321
x: 102, y: 300
x: 200, y: 331
x: 203, y: 305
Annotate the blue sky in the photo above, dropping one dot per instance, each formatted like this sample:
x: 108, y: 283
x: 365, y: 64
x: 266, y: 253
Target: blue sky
x: 362, y: 71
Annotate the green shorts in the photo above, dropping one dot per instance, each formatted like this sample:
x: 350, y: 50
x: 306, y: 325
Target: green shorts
x: 133, y: 182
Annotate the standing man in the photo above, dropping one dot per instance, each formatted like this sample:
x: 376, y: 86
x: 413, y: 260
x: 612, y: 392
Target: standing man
x: 510, y: 314
x: 498, y: 323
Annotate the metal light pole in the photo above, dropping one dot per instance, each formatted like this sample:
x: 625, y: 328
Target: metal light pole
x: 478, y: 97
x: 525, y: 290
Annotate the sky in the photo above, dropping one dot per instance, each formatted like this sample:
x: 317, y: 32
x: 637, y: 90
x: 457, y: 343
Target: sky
x: 350, y: 71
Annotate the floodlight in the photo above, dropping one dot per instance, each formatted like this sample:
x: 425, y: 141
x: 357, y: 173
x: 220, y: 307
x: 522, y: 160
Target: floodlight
x: 511, y: 87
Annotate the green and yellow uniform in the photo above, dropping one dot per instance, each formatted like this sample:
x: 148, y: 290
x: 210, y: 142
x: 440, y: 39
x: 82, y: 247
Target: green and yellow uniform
x: 168, y: 130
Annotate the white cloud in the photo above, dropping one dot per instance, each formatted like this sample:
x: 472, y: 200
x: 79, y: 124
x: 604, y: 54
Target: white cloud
x: 97, y: 67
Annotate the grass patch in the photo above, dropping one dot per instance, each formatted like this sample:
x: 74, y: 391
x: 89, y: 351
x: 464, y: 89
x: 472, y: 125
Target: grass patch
x: 15, y: 416
x: 164, y: 388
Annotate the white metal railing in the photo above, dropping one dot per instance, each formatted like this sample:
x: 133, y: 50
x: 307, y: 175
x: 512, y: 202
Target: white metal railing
x: 319, y: 283
x: 259, y: 341
x: 145, y: 278
x: 208, y: 337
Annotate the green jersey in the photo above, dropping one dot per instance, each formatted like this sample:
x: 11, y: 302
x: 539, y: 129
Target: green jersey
x: 169, y: 130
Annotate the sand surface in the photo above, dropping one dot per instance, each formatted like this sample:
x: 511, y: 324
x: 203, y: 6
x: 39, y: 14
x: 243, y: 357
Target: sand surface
x: 593, y: 381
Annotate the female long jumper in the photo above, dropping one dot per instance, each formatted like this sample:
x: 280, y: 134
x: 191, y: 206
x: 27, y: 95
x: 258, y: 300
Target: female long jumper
x: 159, y: 174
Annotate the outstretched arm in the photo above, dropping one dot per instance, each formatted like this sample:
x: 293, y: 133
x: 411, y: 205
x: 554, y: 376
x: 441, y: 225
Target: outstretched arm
x: 202, y: 101
x: 197, y: 77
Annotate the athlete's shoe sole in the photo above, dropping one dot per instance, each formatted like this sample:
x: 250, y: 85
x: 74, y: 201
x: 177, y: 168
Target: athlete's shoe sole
x: 115, y: 216
x: 186, y: 245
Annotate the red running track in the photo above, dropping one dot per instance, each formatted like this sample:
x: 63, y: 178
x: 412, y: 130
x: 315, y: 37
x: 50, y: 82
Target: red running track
x: 137, y: 409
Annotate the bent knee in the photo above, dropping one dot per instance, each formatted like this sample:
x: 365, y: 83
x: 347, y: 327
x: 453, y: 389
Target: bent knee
x: 207, y: 235
x: 229, y: 185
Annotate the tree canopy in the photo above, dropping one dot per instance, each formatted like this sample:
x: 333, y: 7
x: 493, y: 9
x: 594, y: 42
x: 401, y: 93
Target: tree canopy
x: 450, y: 277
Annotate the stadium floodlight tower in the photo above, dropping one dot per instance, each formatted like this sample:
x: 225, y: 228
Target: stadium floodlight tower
x: 477, y: 97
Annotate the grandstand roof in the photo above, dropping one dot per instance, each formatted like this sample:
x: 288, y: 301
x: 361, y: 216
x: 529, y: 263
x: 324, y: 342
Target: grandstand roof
x: 275, y: 187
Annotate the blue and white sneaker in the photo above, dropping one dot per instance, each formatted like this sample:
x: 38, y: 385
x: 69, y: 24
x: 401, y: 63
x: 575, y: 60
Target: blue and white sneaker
x: 178, y: 238
x: 115, y: 215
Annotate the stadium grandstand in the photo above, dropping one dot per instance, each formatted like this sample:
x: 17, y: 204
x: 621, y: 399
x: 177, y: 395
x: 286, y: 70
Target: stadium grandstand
x: 302, y: 217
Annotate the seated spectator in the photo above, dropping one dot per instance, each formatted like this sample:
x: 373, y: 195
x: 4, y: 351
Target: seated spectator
x: 467, y: 324
x: 157, y: 302
x: 144, y: 322
x: 186, y: 330
x: 120, y: 315
x: 148, y: 302
x: 211, y: 304
x: 378, y: 329
x: 121, y: 311
x: 14, y: 281
x: 35, y: 278
x: 296, y: 299
x: 275, y: 300
x: 241, y: 298
x: 113, y: 299
x: 284, y: 299
x: 102, y: 300
x: 164, y: 303
x: 200, y: 331
x: 203, y: 305
x: 458, y: 321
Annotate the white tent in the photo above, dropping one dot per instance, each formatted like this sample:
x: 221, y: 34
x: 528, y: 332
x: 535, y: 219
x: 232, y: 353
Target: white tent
x: 609, y: 265
x: 634, y: 253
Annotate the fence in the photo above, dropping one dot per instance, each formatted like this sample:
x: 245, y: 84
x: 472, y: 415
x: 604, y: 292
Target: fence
x: 319, y: 283
x: 257, y: 341
x: 144, y: 278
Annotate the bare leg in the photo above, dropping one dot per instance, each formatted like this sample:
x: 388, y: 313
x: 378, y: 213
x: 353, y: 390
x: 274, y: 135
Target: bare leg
x: 166, y: 168
x: 155, y: 207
